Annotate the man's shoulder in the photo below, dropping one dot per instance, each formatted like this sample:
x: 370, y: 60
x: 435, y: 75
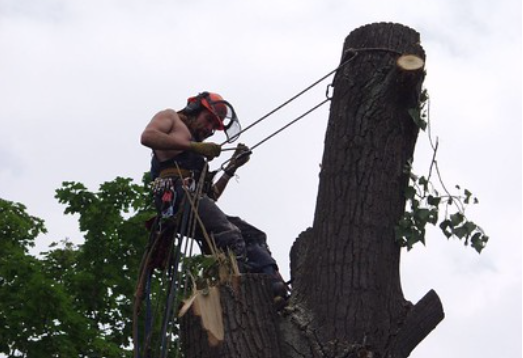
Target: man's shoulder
x: 168, y: 112
x: 168, y: 115
x: 175, y: 120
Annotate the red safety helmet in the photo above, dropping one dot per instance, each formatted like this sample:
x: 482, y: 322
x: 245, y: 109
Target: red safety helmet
x: 224, y: 113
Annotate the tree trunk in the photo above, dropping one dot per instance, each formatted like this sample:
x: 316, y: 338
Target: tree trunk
x: 347, y: 299
x: 250, y: 323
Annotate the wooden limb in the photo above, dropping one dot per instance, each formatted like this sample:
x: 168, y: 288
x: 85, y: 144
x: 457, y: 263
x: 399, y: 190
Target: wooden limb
x: 420, y: 321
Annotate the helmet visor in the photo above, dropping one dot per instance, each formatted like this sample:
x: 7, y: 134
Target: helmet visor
x: 226, y: 116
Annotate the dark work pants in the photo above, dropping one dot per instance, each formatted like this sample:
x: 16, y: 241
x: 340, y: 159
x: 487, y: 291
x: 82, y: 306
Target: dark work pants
x: 230, y: 232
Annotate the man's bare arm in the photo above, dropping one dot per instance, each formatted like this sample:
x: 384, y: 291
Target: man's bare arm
x: 164, y: 132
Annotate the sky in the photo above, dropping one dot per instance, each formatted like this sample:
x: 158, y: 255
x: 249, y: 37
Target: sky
x: 79, y: 80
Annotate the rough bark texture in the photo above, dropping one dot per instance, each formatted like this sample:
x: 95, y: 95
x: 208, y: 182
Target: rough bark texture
x: 250, y: 323
x: 347, y: 299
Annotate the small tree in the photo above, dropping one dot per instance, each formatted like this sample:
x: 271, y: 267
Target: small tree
x: 38, y: 317
x: 73, y: 300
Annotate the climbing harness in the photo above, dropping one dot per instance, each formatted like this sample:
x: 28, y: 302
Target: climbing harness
x: 161, y: 287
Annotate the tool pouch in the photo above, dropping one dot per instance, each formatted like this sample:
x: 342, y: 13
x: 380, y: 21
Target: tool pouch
x: 165, y: 197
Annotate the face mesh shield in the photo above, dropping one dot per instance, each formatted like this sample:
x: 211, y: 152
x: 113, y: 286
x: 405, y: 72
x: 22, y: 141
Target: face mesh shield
x: 229, y: 121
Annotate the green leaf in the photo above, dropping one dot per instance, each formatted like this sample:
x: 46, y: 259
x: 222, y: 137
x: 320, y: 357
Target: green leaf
x: 422, y: 215
x: 410, y: 192
x: 456, y: 219
x: 415, y: 114
x: 479, y: 241
x: 446, y: 227
x: 470, y: 227
x: 460, y: 231
x: 433, y: 200
x: 433, y: 217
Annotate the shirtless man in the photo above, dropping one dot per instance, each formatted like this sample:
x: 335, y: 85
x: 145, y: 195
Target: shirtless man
x: 177, y: 140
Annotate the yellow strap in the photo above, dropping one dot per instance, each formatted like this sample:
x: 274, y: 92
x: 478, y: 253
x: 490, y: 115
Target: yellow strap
x: 175, y: 172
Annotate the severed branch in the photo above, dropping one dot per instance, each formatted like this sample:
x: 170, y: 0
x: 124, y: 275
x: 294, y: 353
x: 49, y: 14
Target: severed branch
x: 410, y: 62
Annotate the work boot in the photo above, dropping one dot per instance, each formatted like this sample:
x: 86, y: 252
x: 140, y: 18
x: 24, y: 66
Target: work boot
x: 280, y: 290
x: 243, y: 266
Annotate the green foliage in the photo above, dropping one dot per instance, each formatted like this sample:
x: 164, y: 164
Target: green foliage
x: 106, y: 264
x: 37, y: 316
x: 203, y: 267
x: 419, y: 114
x: 18, y: 227
x: 73, y: 300
x: 425, y: 203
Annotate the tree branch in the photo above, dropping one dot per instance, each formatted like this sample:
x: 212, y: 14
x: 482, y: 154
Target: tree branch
x: 420, y: 321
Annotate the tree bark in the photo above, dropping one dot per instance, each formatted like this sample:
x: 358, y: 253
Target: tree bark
x: 250, y: 323
x: 347, y: 299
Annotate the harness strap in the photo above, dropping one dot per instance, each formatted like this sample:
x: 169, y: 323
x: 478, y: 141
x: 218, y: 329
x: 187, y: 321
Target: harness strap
x: 175, y: 172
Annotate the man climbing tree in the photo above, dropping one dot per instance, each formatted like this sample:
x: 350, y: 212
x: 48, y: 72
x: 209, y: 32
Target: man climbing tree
x: 179, y: 153
x: 184, y: 190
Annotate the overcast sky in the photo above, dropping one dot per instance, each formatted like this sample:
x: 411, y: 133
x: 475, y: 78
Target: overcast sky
x: 79, y: 80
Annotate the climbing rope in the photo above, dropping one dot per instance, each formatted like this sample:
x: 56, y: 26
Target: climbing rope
x: 344, y: 61
x: 295, y: 120
x: 348, y: 56
x: 167, y: 290
x: 191, y: 212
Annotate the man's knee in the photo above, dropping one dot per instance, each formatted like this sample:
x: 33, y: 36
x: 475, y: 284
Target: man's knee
x: 259, y: 257
x: 231, y: 239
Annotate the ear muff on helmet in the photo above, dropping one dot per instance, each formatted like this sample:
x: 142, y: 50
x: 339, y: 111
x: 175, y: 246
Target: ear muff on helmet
x: 223, y: 111
x: 194, y: 104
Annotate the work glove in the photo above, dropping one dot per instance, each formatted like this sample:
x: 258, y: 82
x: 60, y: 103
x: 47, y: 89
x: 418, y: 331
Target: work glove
x: 207, y: 149
x: 241, y: 155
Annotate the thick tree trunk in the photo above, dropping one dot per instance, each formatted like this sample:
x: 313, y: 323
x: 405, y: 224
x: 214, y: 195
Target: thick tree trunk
x: 250, y: 323
x: 347, y: 299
